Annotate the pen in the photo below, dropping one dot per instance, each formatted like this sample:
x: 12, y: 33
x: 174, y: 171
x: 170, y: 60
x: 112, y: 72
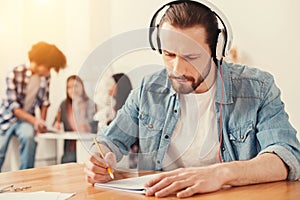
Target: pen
x: 4, y: 189
x: 102, y: 155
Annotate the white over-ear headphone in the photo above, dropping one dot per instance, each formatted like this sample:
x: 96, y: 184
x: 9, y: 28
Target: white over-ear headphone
x: 225, y: 36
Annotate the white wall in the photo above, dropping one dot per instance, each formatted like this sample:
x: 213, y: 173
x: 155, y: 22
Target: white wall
x: 265, y: 33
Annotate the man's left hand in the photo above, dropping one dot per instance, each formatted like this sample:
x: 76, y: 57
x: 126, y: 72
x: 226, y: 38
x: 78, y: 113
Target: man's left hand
x: 186, y: 182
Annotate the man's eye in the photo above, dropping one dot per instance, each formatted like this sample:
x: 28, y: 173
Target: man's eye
x: 192, y: 57
x: 168, y: 54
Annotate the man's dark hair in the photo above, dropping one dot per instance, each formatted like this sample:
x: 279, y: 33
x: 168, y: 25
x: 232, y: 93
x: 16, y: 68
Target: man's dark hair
x: 189, y: 14
x: 46, y: 54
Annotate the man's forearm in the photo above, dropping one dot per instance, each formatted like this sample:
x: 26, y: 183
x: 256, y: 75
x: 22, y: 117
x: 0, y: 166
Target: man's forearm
x: 44, y: 112
x: 267, y: 167
x: 23, y: 115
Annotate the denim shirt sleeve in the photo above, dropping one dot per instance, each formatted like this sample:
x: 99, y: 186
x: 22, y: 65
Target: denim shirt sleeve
x: 275, y: 133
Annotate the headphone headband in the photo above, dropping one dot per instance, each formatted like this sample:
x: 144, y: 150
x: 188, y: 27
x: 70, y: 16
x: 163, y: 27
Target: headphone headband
x: 227, y: 30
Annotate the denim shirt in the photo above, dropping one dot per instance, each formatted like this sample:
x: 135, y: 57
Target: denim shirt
x: 253, y: 119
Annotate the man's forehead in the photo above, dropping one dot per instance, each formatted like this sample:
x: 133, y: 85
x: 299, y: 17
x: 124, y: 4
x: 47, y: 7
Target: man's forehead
x: 183, y: 40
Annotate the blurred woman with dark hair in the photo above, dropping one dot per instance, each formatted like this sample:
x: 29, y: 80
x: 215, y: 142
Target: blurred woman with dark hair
x: 76, y: 113
x: 119, y: 91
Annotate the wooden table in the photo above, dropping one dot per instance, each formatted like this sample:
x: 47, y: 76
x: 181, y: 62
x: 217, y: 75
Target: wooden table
x: 70, y: 178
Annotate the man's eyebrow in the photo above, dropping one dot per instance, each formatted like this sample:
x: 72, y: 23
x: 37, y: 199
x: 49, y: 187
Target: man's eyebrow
x: 191, y: 54
x: 183, y: 55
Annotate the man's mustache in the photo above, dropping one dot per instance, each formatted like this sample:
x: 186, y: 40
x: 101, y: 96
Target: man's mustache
x: 182, y: 77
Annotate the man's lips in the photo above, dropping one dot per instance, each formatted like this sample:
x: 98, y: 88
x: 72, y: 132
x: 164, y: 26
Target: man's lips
x: 181, y: 80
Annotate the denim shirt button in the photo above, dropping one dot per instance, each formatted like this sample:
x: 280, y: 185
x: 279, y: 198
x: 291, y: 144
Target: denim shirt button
x: 150, y: 126
x: 158, y: 161
x: 166, y: 136
x: 242, y: 137
x: 175, y: 111
x: 223, y: 149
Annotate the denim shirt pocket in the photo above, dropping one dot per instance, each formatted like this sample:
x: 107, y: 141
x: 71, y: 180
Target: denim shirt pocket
x: 149, y: 133
x: 240, y: 134
x: 150, y: 123
x: 243, y: 141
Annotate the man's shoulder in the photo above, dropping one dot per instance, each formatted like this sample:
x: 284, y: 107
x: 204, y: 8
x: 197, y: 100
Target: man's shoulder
x: 19, y: 70
x: 240, y: 71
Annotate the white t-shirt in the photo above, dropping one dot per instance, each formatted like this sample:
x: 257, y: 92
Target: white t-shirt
x: 195, y: 139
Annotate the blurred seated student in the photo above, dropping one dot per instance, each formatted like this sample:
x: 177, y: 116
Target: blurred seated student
x: 119, y: 92
x: 27, y: 88
x: 76, y: 114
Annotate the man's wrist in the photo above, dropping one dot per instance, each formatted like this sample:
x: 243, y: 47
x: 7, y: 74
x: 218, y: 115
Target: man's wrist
x: 36, y: 124
x: 227, y: 172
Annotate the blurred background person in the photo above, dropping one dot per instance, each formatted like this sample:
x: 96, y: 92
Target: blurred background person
x: 76, y: 113
x: 27, y: 88
x: 119, y: 89
x: 119, y: 92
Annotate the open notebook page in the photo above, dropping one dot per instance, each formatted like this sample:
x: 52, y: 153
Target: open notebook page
x: 135, y: 184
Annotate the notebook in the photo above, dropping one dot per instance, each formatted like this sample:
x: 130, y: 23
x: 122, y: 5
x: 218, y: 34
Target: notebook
x: 135, y: 185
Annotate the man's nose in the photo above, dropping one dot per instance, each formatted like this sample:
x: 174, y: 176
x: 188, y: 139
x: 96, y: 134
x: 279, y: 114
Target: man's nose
x: 180, y: 65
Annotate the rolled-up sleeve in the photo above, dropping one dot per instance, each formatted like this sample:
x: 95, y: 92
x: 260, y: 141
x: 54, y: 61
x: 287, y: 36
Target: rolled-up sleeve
x: 275, y: 133
x: 288, y: 157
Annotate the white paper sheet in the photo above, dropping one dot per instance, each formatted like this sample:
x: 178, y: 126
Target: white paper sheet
x: 35, y: 195
x: 135, y: 185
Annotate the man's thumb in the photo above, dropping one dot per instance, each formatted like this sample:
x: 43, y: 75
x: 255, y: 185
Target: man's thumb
x: 111, y: 160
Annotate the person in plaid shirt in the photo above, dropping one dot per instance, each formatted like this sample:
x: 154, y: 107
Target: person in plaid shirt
x: 27, y: 87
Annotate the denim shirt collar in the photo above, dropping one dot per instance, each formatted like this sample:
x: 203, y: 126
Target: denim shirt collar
x: 226, y: 74
x: 224, y: 85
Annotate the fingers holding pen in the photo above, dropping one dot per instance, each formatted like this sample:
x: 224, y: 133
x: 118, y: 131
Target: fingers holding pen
x: 96, y: 169
x: 97, y: 160
x: 110, y: 159
x: 93, y: 177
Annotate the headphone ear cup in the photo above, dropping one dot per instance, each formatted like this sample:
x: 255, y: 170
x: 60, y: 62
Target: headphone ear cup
x: 154, y: 39
x: 151, y: 38
x: 158, y: 40
x: 221, y: 44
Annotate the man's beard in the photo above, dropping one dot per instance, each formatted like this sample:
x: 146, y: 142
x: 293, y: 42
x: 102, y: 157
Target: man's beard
x: 191, y: 85
x: 186, y: 88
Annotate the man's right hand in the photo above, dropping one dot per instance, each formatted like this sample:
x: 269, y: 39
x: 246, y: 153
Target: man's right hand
x: 96, y: 168
x: 57, y: 125
x: 40, y: 126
